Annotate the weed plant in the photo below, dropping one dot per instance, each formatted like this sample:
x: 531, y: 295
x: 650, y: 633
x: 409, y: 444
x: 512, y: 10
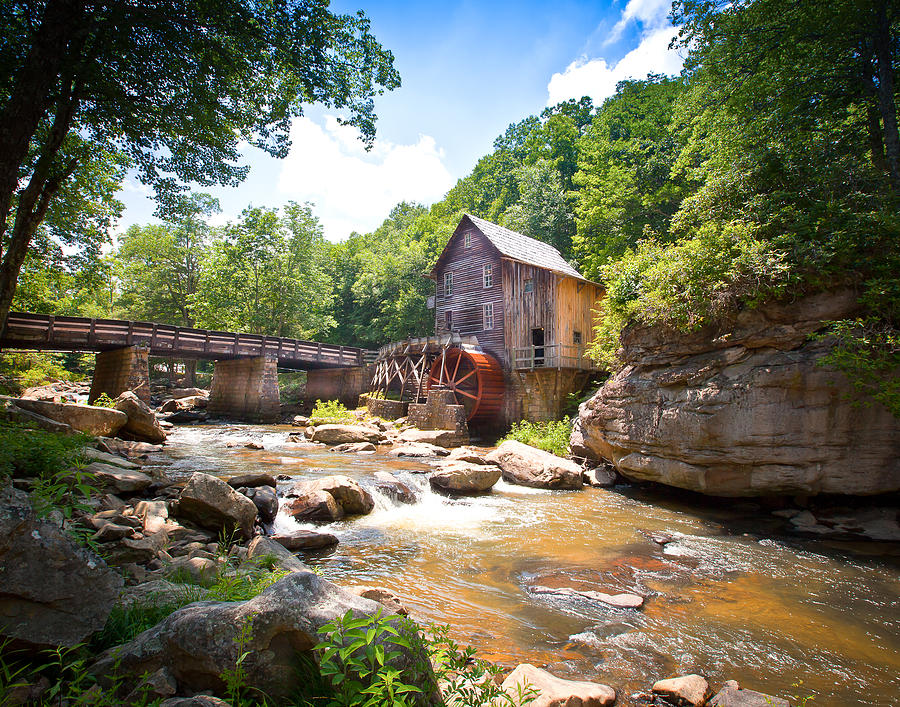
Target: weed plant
x: 551, y: 436
x: 332, y: 410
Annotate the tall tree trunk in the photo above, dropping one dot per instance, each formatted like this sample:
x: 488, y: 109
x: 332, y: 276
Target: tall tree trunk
x: 886, y: 104
x: 56, y: 39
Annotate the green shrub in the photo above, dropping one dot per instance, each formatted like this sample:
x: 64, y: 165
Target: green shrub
x: 551, y: 436
x: 688, y: 284
x: 37, y: 453
x: 27, y: 369
x: 330, y: 410
x: 104, y: 401
x: 867, y: 351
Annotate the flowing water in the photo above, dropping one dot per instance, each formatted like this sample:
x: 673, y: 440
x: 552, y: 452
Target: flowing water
x: 729, y: 598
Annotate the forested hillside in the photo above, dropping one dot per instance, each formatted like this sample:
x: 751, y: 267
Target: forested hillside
x: 769, y: 169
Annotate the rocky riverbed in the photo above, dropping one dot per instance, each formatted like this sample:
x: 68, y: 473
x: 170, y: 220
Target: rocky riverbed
x: 619, y: 587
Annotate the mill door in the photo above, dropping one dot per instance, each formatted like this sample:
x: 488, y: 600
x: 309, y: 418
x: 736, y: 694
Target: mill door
x: 537, y: 341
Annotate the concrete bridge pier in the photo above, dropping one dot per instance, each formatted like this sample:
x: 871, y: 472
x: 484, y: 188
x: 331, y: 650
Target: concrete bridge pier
x: 246, y: 389
x: 118, y: 370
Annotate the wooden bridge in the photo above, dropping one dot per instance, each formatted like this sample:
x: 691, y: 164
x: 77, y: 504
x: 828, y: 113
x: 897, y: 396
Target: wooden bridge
x: 58, y: 333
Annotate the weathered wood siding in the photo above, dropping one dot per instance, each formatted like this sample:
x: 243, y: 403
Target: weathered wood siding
x: 469, y: 294
x: 576, y: 302
x: 528, y: 310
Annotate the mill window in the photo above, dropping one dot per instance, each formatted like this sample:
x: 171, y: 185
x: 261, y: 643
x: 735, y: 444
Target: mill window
x: 488, y: 275
x: 529, y: 285
x: 448, y: 284
x: 576, y: 338
x: 448, y: 320
x: 489, y: 315
x: 468, y: 240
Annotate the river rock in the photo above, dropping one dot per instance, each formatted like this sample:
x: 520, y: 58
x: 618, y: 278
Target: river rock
x: 117, y: 479
x: 383, y: 596
x: 342, y: 434
x: 305, y: 540
x: 97, y: 456
x: 10, y: 412
x: 263, y: 547
x: 391, y: 486
x: 127, y: 448
x: 468, y: 455
x: 92, y: 420
x: 110, y: 532
x: 599, y: 477
x: 136, y: 550
x: 141, y: 424
x: 211, y: 503
x: 731, y: 695
x: 314, y: 506
x: 200, y: 642
x: 154, y: 515
x: 265, y: 499
x: 419, y: 449
x: 743, y: 409
x: 464, y: 478
x: 252, y: 480
x: 556, y: 692
x: 439, y: 438
x: 353, y: 498
x: 194, y: 402
x: 356, y: 448
x: 622, y: 600
x: 684, y: 691
x: 195, y: 701
x: 199, y: 570
x: 527, y: 466
x: 54, y: 593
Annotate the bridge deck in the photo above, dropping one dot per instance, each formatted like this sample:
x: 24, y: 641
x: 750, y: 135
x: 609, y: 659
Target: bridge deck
x: 58, y: 333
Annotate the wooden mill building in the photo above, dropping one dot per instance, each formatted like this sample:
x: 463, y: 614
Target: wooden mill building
x: 512, y: 322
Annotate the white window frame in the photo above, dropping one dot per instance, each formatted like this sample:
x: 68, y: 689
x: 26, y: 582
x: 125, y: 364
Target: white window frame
x: 487, y: 276
x: 448, y: 284
x: 487, y: 315
x: 467, y: 240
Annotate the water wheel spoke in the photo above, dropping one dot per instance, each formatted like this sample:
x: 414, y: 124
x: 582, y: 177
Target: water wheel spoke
x: 462, y: 392
x: 468, y: 375
x: 456, y: 368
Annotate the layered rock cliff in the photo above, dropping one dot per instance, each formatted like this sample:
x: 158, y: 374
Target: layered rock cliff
x: 742, y: 410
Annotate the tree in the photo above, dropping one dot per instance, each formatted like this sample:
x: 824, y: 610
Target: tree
x: 173, y: 87
x: 265, y: 274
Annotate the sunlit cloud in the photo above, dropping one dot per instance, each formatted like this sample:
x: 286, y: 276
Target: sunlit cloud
x: 353, y: 190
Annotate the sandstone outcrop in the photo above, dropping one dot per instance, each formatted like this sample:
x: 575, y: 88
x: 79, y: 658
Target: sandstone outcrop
x: 54, y: 593
x: 556, y: 692
x: 343, y: 434
x: 527, y: 466
x: 352, y: 498
x: 742, y: 410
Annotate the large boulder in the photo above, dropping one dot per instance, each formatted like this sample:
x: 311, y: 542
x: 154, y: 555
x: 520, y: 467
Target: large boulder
x: 353, y: 498
x: 342, y: 434
x: 52, y: 592
x: 732, y: 695
x: 142, y: 423
x: 464, y: 478
x: 314, y: 506
x: 744, y: 409
x: 527, y: 466
x: 555, y: 692
x: 265, y: 499
x: 305, y: 540
x: 389, y: 485
x: 438, y: 438
x: 92, y: 420
x: 265, y: 548
x: 211, y: 503
x: 197, y: 644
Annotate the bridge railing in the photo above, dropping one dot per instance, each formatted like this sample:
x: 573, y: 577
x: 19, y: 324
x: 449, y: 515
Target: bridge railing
x: 43, y: 331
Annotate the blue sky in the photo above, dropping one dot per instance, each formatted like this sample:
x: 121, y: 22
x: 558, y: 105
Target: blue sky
x: 468, y: 69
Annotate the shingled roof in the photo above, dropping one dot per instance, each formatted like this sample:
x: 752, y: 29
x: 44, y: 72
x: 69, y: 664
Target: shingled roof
x: 524, y: 249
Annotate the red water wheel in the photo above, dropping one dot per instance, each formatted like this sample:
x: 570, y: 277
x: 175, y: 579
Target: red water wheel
x: 475, y: 378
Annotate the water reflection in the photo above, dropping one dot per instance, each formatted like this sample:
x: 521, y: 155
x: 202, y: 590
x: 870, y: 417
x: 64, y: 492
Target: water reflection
x: 724, y: 599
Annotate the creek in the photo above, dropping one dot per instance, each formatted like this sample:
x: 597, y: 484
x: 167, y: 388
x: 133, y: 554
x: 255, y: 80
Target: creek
x: 730, y: 597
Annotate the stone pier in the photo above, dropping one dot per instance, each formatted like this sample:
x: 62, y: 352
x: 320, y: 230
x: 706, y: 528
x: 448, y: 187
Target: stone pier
x: 246, y: 389
x: 344, y: 384
x: 119, y: 370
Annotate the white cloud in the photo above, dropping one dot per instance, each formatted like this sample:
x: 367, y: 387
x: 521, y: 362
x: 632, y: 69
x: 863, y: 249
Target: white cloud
x: 354, y: 190
x: 652, y: 14
x: 597, y: 79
